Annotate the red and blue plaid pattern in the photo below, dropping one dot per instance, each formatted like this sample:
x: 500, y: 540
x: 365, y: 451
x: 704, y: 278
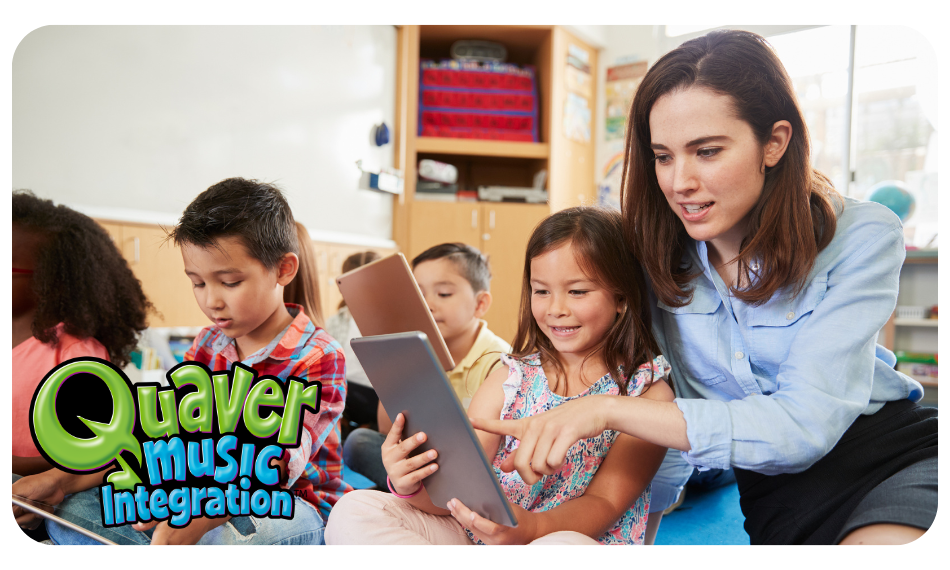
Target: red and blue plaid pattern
x: 307, y: 352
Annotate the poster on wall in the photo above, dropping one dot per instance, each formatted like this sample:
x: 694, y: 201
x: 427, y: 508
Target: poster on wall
x: 577, y: 108
x: 619, y: 89
x: 576, y: 118
x: 622, y: 82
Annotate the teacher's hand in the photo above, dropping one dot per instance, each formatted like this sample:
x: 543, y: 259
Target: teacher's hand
x: 546, y: 437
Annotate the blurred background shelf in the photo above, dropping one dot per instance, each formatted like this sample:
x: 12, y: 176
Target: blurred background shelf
x: 476, y: 147
x: 915, y: 322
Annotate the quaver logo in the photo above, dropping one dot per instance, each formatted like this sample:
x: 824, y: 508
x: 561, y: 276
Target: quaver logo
x: 206, y: 445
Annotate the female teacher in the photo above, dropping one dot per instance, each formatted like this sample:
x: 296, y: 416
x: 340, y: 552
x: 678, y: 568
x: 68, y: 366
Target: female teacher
x: 770, y: 291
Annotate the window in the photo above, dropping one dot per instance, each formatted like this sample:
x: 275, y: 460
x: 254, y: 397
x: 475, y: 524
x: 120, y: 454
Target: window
x: 892, y: 107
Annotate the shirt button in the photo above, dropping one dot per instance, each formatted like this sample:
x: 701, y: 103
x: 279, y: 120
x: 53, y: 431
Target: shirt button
x: 790, y: 316
x: 739, y: 356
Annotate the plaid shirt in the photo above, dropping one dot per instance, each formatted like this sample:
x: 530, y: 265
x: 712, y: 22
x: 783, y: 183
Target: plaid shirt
x: 307, y: 352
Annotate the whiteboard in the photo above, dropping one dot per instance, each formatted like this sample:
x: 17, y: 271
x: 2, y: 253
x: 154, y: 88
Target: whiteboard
x: 146, y: 117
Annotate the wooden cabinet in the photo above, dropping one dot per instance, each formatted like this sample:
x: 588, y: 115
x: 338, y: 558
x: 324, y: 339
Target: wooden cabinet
x: 159, y: 266
x: 330, y: 258
x: 499, y: 229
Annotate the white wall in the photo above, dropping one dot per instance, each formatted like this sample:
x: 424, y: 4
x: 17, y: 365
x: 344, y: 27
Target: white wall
x: 143, y: 118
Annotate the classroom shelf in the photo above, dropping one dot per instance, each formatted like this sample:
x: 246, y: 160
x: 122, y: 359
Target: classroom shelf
x: 915, y: 322
x: 475, y: 147
x: 919, y: 256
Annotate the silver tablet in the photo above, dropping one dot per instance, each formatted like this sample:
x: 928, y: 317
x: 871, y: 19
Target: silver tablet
x: 25, y: 504
x: 408, y: 378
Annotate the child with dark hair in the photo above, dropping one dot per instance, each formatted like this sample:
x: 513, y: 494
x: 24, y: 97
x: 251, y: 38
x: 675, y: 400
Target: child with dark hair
x: 304, y: 290
x: 454, y: 279
x: 361, y: 398
x: 239, y: 244
x: 583, y: 330
x: 73, y: 296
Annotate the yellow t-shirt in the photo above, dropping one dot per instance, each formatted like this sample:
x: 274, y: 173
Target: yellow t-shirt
x: 469, y: 374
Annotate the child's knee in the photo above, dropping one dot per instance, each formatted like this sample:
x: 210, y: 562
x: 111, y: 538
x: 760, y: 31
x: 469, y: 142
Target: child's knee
x: 565, y: 537
x: 350, y: 515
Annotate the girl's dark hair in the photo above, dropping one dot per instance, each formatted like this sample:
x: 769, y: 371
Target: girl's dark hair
x: 357, y: 260
x: 596, y: 235
x: 304, y: 290
x: 80, y: 279
x: 796, y: 215
x: 254, y: 211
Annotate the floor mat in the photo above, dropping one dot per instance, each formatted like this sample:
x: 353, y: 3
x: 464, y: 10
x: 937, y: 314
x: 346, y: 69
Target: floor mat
x: 705, y: 517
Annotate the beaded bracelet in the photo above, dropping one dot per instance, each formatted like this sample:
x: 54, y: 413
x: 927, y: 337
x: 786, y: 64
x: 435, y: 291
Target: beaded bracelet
x: 395, y: 494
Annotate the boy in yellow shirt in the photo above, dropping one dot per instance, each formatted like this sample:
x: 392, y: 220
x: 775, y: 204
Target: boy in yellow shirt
x: 454, y: 279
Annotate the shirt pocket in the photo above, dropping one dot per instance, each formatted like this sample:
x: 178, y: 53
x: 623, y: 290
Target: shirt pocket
x: 785, y: 311
x: 693, y: 336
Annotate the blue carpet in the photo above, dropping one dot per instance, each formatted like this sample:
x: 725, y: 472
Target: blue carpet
x: 705, y: 517
x: 356, y: 480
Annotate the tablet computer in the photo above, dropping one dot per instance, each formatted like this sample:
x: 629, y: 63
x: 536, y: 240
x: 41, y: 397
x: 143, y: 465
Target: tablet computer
x: 384, y: 298
x: 407, y: 377
x: 28, y: 505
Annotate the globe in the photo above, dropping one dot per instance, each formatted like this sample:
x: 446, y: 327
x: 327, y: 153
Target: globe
x: 895, y: 195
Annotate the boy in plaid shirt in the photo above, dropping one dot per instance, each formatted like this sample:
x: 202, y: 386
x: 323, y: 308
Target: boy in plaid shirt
x: 239, y: 244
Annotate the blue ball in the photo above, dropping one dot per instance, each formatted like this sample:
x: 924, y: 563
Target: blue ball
x: 894, y: 195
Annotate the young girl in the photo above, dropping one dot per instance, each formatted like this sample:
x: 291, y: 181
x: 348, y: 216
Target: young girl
x: 73, y: 295
x: 304, y: 290
x: 770, y: 290
x: 584, y: 324
x: 361, y: 399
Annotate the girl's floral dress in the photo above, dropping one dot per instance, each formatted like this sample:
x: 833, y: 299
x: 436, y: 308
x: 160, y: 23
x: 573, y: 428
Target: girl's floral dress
x: 526, y: 394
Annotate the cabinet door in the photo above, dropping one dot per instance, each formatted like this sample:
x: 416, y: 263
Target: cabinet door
x: 505, y: 232
x: 432, y: 223
x: 158, y: 265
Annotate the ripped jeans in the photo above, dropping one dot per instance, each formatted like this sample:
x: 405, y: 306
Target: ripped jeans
x: 84, y: 509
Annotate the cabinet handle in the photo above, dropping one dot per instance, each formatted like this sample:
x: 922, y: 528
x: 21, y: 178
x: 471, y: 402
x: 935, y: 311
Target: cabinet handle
x: 474, y: 219
x: 491, y: 219
x: 486, y: 236
x: 135, y: 245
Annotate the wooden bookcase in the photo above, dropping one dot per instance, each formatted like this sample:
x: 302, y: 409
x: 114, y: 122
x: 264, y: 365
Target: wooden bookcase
x: 499, y: 229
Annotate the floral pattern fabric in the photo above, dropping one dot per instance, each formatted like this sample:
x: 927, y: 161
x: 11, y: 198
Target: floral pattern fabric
x: 527, y: 393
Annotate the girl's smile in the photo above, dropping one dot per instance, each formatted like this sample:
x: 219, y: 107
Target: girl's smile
x: 572, y: 310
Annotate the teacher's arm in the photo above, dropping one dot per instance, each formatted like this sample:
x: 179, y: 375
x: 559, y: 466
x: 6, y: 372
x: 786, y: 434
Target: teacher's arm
x: 545, y: 438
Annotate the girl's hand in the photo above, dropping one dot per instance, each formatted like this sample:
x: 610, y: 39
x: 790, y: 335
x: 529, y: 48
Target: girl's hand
x: 406, y: 473
x: 493, y: 533
x: 545, y: 438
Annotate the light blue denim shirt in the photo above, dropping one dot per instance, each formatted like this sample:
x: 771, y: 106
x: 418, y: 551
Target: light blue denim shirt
x: 773, y: 388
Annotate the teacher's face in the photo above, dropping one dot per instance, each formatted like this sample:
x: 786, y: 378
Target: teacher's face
x: 708, y: 164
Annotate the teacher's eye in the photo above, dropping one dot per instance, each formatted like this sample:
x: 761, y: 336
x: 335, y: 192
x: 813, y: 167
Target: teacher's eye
x: 662, y: 158
x: 232, y: 285
x: 197, y: 285
x: 708, y: 152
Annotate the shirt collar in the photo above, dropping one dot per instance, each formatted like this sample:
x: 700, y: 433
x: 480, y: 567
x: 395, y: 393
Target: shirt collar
x: 226, y: 346
x: 482, y: 343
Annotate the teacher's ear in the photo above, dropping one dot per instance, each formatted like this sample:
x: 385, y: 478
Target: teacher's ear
x: 777, y: 144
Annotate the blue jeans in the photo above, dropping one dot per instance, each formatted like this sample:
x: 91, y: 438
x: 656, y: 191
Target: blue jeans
x: 362, y: 452
x: 83, y: 508
x: 669, y: 481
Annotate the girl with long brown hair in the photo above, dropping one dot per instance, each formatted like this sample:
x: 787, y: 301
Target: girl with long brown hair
x: 769, y: 292
x: 584, y: 329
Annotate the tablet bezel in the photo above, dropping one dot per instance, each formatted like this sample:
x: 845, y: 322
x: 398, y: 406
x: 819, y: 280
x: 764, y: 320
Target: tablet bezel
x: 420, y: 389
